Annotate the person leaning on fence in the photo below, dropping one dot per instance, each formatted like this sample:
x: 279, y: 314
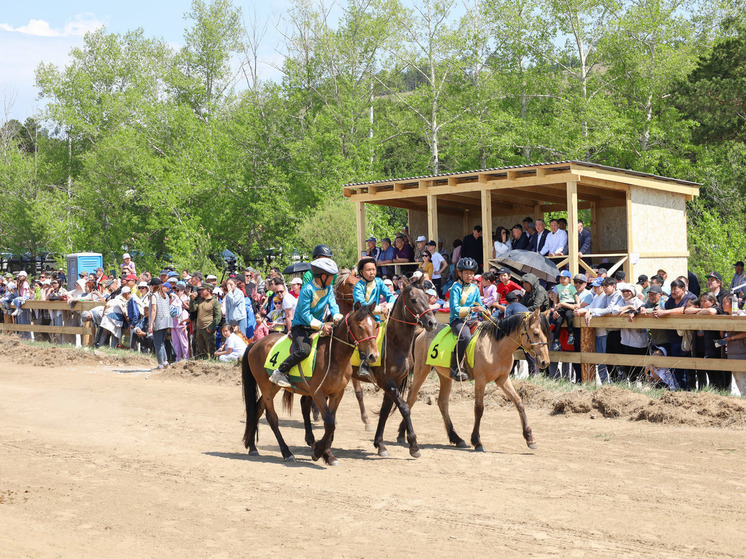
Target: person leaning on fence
x: 634, y: 341
x: 207, y: 317
x: 676, y: 304
x: 316, y: 298
x: 734, y: 344
x: 567, y: 302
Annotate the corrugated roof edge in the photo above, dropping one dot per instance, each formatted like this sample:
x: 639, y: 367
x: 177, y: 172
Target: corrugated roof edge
x: 567, y: 162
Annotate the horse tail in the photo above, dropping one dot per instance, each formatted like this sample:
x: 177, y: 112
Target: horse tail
x: 251, y: 400
x: 287, y: 402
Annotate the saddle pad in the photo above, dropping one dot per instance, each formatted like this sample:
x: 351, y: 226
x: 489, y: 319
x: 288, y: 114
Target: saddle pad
x: 281, y: 350
x: 355, y: 361
x: 441, y: 348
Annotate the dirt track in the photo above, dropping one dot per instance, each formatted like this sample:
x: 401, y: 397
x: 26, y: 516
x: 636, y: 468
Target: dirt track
x: 98, y: 463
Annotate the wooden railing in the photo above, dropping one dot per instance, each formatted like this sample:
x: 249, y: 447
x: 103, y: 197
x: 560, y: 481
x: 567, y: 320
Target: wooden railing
x: 86, y: 331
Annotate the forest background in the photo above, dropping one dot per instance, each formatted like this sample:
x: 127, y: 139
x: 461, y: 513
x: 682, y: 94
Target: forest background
x: 175, y: 155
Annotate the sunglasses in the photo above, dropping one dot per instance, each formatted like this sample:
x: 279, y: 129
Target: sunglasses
x: 578, y: 281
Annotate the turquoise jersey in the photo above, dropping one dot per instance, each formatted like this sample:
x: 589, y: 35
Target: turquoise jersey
x: 367, y: 292
x: 462, y: 298
x: 312, y: 304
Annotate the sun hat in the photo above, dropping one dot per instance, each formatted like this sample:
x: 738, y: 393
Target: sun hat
x: 126, y: 289
x: 421, y: 239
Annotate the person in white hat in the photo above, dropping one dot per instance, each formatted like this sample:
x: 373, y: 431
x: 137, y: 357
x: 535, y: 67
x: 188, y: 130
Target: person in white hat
x: 295, y: 285
x: 128, y: 267
x: 314, y: 300
x: 421, y: 240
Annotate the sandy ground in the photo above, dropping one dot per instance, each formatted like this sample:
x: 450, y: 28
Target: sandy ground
x: 102, y: 460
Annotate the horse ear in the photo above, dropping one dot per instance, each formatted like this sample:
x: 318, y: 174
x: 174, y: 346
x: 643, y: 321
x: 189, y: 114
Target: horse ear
x: 404, y: 282
x: 356, y: 306
x: 421, y: 281
x: 545, y: 313
x: 372, y: 307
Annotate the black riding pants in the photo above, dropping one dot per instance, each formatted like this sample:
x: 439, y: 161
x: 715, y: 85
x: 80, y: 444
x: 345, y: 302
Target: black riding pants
x: 460, y: 327
x: 300, y: 348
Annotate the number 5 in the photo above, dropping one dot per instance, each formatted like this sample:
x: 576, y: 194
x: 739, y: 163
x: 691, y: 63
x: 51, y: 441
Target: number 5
x: 434, y: 354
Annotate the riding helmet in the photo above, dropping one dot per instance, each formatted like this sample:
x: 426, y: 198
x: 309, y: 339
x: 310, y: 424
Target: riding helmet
x: 467, y: 263
x: 322, y: 250
x: 324, y: 266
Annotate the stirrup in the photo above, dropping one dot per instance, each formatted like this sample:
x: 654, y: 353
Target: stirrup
x: 366, y: 374
x: 280, y: 379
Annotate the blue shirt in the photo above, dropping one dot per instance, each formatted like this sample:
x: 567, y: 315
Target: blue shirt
x: 463, y: 297
x: 367, y: 292
x: 387, y: 254
x: 514, y: 308
x: 312, y: 304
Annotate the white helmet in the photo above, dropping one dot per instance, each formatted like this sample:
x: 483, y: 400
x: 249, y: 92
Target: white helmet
x: 324, y: 266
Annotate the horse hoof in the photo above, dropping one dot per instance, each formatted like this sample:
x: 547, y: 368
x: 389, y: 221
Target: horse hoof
x: 383, y: 453
x: 401, y: 440
x: 310, y: 442
x: 253, y: 453
x: 290, y: 458
x: 414, y: 453
x: 334, y: 462
x: 479, y: 448
x: 369, y: 427
x: 462, y: 444
x: 532, y: 446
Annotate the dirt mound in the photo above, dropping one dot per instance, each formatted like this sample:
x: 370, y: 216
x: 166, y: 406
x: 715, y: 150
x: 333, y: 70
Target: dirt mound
x: 573, y: 402
x: 204, y: 371
x: 697, y: 408
x: 613, y: 401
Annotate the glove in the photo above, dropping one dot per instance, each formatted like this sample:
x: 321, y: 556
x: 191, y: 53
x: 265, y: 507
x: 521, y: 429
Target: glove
x: 316, y: 324
x: 337, y: 317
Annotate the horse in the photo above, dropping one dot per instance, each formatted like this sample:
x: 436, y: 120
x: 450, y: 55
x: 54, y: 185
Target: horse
x: 357, y: 331
x: 410, y: 310
x: 493, y: 360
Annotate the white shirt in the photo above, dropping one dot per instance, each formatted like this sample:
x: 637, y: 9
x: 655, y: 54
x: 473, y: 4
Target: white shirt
x: 288, y: 301
x: 437, y: 261
x: 237, y: 347
x: 501, y: 248
x: 555, y: 242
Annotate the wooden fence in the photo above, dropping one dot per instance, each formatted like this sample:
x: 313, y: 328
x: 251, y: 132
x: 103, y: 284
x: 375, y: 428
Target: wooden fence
x: 86, y: 331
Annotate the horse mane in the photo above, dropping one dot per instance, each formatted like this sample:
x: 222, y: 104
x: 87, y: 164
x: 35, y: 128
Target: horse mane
x: 505, y: 326
x: 362, y: 312
x: 342, y: 276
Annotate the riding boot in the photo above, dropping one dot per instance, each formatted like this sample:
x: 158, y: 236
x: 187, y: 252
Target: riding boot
x: 456, y: 374
x: 365, y: 373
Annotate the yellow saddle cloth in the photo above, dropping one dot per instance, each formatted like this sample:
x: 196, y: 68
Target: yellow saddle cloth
x: 355, y: 361
x: 442, y: 347
x: 281, y: 350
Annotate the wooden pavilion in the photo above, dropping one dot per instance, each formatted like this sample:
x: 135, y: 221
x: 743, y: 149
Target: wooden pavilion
x: 638, y: 220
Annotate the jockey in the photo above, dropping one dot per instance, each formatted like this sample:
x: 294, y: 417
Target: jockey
x: 313, y: 301
x: 319, y: 251
x: 465, y: 300
x: 369, y: 290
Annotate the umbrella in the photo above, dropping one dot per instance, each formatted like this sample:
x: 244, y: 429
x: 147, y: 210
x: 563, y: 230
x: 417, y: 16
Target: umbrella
x: 526, y: 261
x: 297, y: 268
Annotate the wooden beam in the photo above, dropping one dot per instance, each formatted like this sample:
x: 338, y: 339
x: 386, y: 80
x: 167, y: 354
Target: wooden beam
x: 734, y: 365
x: 671, y: 322
x: 49, y: 329
x: 432, y: 217
x: 486, y: 226
x: 62, y: 305
x: 614, y: 177
x: 572, y: 225
x: 360, y: 217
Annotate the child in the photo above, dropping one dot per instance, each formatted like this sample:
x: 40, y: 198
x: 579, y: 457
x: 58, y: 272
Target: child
x: 567, y: 301
x: 464, y: 300
x: 233, y: 348
x: 505, y: 286
x: 662, y: 375
x: 10, y: 294
x: 276, y: 317
x: 261, y: 329
x: 490, y: 289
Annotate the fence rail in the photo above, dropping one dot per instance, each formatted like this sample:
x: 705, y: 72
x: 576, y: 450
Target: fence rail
x: 86, y: 331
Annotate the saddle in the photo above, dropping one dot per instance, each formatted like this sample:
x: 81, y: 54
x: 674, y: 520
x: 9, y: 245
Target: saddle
x: 281, y: 350
x: 355, y: 360
x: 444, y: 344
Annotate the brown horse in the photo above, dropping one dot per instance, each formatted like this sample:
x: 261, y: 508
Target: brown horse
x: 493, y: 360
x: 410, y: 311
x: 331, y: 374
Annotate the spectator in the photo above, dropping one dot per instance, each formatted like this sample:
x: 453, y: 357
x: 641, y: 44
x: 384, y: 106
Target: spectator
x: 233, y: 346
x: 514, y: 306
x: 295, y: 285
x: 456, y: 253
x: 427, y: 266
x: 714, y: 286
x: 738, y: 283
x: 112, y: 320
x: 661, y: 376
x: 666, y: 284
x: 556, y: 240
x: 288, y: 302
x: 541, y: 235
x: 654, y: 300
x: 386, y: 257
x: 567, y: 302
x: 136, y: 315
x: 208, y: 316
x: 535, y: 296
x: 128, y: 267
x: 61, y: 276
x: 490, y: 295
x: 235, y: 307
x: 502, y: 244
x: 675, y: 305
x: 472, y: 247
x: 402, y: 251
x: 644, y: 285
x: 633, y: 341
x: 405, y: 234
x: 261, y: 329
x: 159, y: 304
x: 421, y: 240
x: 735, y: 347
x: 519, y: 240
x: 584, y: 240
x: 532, y: 236
x: 373, y: 251
x: 440, y: 266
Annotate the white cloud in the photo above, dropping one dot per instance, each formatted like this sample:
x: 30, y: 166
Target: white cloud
x: 77, y: 26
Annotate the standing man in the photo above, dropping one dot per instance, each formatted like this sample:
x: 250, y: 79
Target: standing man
x: 541, y: 235
x: 288, y: 302
x: 556, y: 241
x: 714, y: 285
x: 584, y: 240
x: 209, y: 316
x: 421, y: 240
x: 402, y: 251
x: 472, y: 247
x: 739, y: 278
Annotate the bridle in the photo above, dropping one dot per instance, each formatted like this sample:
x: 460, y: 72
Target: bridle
x: 356, y: 343
x: 530, y: 350
x: 417, y: 317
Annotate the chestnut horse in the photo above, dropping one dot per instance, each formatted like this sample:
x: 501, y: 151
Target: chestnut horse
x: 331, y: 374
x: 493, y: 360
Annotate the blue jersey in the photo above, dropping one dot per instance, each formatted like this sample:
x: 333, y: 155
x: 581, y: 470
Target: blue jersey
x: 367, y: 292
x: 312, y: 304
x: 462, y: 298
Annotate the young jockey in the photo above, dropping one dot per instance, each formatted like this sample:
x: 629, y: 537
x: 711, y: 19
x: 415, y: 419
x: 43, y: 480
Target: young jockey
x: 369, y: 290
x: 465, y: 300
x: 313, y: 301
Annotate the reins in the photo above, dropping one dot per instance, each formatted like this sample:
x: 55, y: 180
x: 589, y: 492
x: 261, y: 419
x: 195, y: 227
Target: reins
x: 519, y: 342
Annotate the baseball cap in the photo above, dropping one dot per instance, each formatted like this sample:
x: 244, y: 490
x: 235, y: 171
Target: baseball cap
x: 130, y: 277
x: 602, y: 271
x: 715, y: 275
x: 163, y: 273
x: 155, y: 281
x: 565, y: 274
x: 581, y: 277
x: 172, y: 279
x: 173, y: 275
x: 296, y: 281
x: 388, y: 282
x: 421, y: 239
x: 126, y: 289
x: 142, y: 284
x: 371, y: 239
x: 431, y: 292
x: 211, y: 277
x: 655, y: 289
x: 503, y: 271
x: 642, y: 278
x: 739, y: 263
x: 431, y: 243
x: 597, y: 282
x: 512, y: 295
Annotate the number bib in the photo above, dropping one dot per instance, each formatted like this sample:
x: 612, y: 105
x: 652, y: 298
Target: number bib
x: 280, y: 351
x: 355, y: 360
x: 442, y: 347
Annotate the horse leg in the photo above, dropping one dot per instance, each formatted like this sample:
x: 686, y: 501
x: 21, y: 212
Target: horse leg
x: 444, y: 398
x: 395, y: 395
x: 382, y: 416
x: 305, y: 406
x: 510, y: 392
x: 418, y: 379
x: 334, y: 401
x: 322, y: 446
x: 274, y: 423
x: 479, y: 386
x: 358, y: 387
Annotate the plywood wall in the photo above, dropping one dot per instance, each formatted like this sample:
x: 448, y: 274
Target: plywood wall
x: 609, y: 232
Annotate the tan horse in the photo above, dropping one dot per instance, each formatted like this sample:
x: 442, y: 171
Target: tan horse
x: 357, y: 332
x: 493, y: 361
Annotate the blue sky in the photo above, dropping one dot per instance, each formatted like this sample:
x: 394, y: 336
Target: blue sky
x: 38, y: 31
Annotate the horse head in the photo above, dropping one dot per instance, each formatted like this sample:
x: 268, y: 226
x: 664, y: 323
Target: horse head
x: 363, y: 331
x: 536, y: 332
x: 416, y: 302
x: 346, y: 281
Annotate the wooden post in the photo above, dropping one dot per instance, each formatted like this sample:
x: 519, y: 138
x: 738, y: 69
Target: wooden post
x: 432, y: 218
x: 360, y: 216
x: 628, y: 266
x: 538, y: 214
x: 588, y: 345
x: 572, y: 225
x: 486, y: 227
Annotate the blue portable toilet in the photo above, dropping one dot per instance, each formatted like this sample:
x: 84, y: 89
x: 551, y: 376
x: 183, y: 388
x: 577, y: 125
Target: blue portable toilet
x: 82, y: 262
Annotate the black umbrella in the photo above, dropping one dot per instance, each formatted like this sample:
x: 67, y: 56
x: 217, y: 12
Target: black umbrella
x: 297, y: 268
x: 526, y: 261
